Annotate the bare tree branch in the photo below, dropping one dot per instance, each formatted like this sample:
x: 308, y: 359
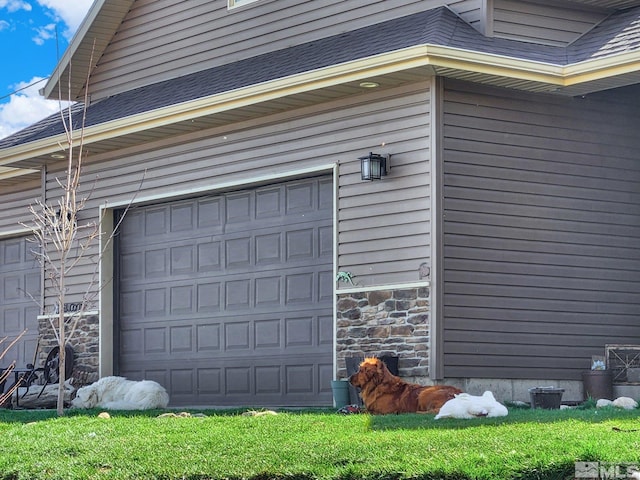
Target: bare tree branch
x: 63, y: 242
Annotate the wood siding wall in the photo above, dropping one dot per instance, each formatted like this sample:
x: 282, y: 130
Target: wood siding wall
x: 542, y: 231
x: 543, y: 23
x: 15, y: 205
x: 205, y: 34
x: 473, y: 12
x: 20, y: 273
x: 383, y: 225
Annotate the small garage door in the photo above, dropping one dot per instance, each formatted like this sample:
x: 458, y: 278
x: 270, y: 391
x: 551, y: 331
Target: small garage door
x: 227, y: 299
x: 19, y: 278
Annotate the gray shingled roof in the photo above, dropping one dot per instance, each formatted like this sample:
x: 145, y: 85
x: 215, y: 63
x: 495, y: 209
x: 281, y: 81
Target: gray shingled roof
x: 440, y: 26
x: 617, y: 34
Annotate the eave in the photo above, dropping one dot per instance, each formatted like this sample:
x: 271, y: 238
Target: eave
x: 11, y: 176
x: 86, y: 47
x: 615, y: 4
x: 391, y: 69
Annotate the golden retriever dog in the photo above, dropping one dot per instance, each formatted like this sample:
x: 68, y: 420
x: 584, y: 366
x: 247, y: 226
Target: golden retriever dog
x: 382, y: 392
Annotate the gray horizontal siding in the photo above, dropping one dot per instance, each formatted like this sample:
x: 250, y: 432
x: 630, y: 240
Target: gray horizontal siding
x: 543, y: 23
x: 383, y: 226
x: 471, y: 11
x: 204, y: 33
x: 542, y: 231
x: 15, y: 205
x: 20, y: 273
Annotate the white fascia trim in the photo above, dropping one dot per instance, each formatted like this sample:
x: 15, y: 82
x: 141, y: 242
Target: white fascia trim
x: 493, y: 64
x: 8, y: 172
x: 15, y: 233
x: 599, y: 68
x: 412, y: 57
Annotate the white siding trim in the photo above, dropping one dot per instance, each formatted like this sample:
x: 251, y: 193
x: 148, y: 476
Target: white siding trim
x: 336, y: 198
x: 378, y: 288
x: 436, y: 368
x: 233, y: 4
x: 189, y: 192
x: 106, y: 295
x: 14, y: 233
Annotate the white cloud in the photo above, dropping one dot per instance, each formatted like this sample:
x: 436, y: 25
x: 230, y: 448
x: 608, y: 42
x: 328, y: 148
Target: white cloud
x: 15, y: 5
x: 25, y: 108
x: 45, y: 33
x: 70, y: 12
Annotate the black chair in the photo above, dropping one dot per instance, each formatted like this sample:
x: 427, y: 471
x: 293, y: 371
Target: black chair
x: 50, y: 370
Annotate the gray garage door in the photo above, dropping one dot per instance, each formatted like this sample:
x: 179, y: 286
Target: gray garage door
x: 227, y: 299
x: 19, y: 274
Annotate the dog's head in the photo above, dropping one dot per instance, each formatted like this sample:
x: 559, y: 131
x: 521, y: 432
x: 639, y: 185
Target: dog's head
x: 86, y: 397
x: 372, y: 371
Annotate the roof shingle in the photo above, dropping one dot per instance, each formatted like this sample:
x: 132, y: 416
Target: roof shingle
x: 440, y: 26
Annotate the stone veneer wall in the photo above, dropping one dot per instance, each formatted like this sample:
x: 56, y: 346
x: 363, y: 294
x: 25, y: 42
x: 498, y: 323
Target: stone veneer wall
x: 385, y: 323
x: 84, y: 342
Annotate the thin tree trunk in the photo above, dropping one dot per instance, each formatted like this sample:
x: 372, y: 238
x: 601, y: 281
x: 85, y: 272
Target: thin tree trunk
x: 61, y: 349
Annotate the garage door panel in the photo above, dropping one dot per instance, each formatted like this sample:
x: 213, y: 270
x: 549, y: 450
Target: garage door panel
x: 226, y: 336
x: 20, y: 279
x: 325, y: 331
x: 268, y: 248
x: 13, y: 253
x: 268, y: 291
x: 193, y: 297
x: 298, y: 380
x: 203, y: 256
x: 233, y: 299
x: 208, y: 297
x: 325, y: 286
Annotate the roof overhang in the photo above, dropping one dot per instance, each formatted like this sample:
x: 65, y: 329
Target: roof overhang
x: 615, y: 4
x: 391, y: 69
x: 11, y: 176
x: 86, y: 47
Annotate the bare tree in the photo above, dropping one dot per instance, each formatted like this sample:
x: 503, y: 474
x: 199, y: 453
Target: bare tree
x: 63, y: 240
x: 6, y: 373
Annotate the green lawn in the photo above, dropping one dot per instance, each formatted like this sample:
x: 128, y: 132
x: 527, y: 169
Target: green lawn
x: 528, y: 444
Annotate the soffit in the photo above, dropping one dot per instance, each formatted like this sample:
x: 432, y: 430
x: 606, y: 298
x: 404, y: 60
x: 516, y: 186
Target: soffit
x: 202, y: 115
x: 118, y: 123
x: 258, y: 102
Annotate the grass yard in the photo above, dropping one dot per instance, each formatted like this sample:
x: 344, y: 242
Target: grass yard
x: 528, y: 444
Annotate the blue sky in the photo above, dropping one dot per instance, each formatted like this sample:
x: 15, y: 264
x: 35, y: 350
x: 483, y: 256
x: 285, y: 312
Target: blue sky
x: 33, y: 35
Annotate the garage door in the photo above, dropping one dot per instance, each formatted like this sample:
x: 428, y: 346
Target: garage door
x: 227, y: 299
x: 19, y: 274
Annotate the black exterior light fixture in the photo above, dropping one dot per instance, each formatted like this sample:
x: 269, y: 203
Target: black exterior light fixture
x: 374, y: 166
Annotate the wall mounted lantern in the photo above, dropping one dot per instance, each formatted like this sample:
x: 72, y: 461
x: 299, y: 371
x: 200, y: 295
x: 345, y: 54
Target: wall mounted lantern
x: 373, y: 166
